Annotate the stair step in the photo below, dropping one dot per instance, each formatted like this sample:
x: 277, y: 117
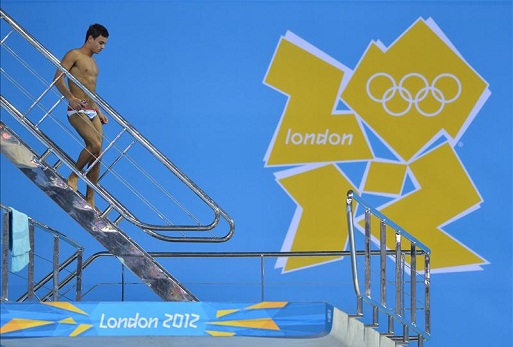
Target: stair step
x: 107, y: 233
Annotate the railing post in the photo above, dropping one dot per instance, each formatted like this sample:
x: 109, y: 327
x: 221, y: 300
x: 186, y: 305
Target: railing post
x: 382, y: 266
x: 413, y: 284
x: 367, y: 252
x: 122, y: 282
x: 398, y: 288
x: 262, y: 276
x: 383, y: 261
x: 352, y: 246
x: 5, y: 256
x: 55, y: 268
x: 398, y: 277
x: 427, y: 293
x: 80, y: 254
x: 31, y: 264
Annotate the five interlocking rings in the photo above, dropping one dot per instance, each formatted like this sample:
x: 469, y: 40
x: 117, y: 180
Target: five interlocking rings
x: 420, y: 95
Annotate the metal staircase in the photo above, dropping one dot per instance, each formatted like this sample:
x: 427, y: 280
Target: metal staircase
x: 150, y: 193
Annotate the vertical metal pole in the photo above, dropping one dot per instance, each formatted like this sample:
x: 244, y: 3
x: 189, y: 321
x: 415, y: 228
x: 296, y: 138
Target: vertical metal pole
x: 5, y: 256
x: 80, y: 254
x: 122, y: 282
x: 406, y: 334
x: 390, y: 325
x: 262, y: 276
x: 368, y: 216
x: 368, y: 264
x: 383, y: 261
x: 427, y: 299
x: 352, y: 246
x: 31, y: 264
x: 382, y: 269
x: 403, y: 285
x: 413, y: 284
x: 398, y: 282
x: 55, y: 268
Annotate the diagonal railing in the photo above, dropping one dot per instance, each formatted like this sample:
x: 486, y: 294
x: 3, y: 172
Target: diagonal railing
x: 107, y: 233
x: 139, y: 183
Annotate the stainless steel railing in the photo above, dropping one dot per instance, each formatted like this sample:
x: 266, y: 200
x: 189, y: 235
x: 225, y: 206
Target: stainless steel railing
x: 58, y: 267
x: 261, y: 256
x: 198, y: 228
x: 389, y: 269
x: 388, y: 242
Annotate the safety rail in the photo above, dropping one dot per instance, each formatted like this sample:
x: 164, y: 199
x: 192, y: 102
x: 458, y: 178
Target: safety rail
x: 400, y: 314
x: 405, y: 251
x: 57, y: 266
x: 195, y: 223
x: 264, y: 293
x: 261, y: 256
x: 107, y: 233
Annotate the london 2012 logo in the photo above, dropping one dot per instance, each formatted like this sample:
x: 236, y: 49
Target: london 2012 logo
x: 388, y: 129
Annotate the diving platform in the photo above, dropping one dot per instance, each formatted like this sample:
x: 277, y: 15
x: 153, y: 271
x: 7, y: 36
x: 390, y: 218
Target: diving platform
x: 183, y: 324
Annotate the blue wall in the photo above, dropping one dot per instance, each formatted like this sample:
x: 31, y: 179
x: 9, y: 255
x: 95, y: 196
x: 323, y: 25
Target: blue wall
x: 201, y: 80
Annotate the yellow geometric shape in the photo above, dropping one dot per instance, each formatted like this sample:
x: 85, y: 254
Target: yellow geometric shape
x: 222, y: 313
x: 418, y: 215
x: 262, y: 305
x: 259, y: 323
x: 268, y: 304
x: 16, y: 324
x: 66, y: 306
x: 68, y: 321
x: 322, y: 224
x: 80, y: 329
x: 385, y: 178
x: 219, y: 333
x: 310, y: 131
x: 389, y: 90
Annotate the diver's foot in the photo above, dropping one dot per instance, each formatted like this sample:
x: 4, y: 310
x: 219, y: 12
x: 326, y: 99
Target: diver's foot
x: 90, y: 201
x: 73, y: 181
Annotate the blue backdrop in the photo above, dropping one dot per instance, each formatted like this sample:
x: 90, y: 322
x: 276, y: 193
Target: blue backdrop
x: 199, y: 79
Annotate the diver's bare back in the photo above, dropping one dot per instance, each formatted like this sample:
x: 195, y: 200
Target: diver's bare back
x: 86, y: 71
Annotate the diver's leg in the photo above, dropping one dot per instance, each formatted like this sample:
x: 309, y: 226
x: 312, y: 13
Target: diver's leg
x: 94, y: 173
x: 89, y: 133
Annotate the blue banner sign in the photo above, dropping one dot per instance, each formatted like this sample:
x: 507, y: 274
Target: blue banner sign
x: 271, y: 319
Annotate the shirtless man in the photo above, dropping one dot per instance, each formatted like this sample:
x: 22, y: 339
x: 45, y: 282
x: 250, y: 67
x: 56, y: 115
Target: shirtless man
x: 83, y: 113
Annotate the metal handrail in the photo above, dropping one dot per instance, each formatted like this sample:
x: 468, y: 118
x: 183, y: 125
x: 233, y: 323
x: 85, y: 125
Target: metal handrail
x: 417, y: 249
x: 100, y: 254
x: 120, y: 208
x: 57, y: 268
x: 263, y: 256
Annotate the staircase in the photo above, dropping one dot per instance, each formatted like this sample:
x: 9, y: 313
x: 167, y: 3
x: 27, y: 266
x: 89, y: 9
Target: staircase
x: 39, y: 121
x: 106, y: 232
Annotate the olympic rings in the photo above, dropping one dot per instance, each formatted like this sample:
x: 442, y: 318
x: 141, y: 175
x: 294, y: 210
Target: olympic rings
x: 420, y: 95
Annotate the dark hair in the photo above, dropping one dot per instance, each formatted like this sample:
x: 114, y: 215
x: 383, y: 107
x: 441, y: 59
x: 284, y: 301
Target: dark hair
x: 96, y: 30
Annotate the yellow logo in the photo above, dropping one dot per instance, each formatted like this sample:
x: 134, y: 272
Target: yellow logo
x: 399, y: 114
